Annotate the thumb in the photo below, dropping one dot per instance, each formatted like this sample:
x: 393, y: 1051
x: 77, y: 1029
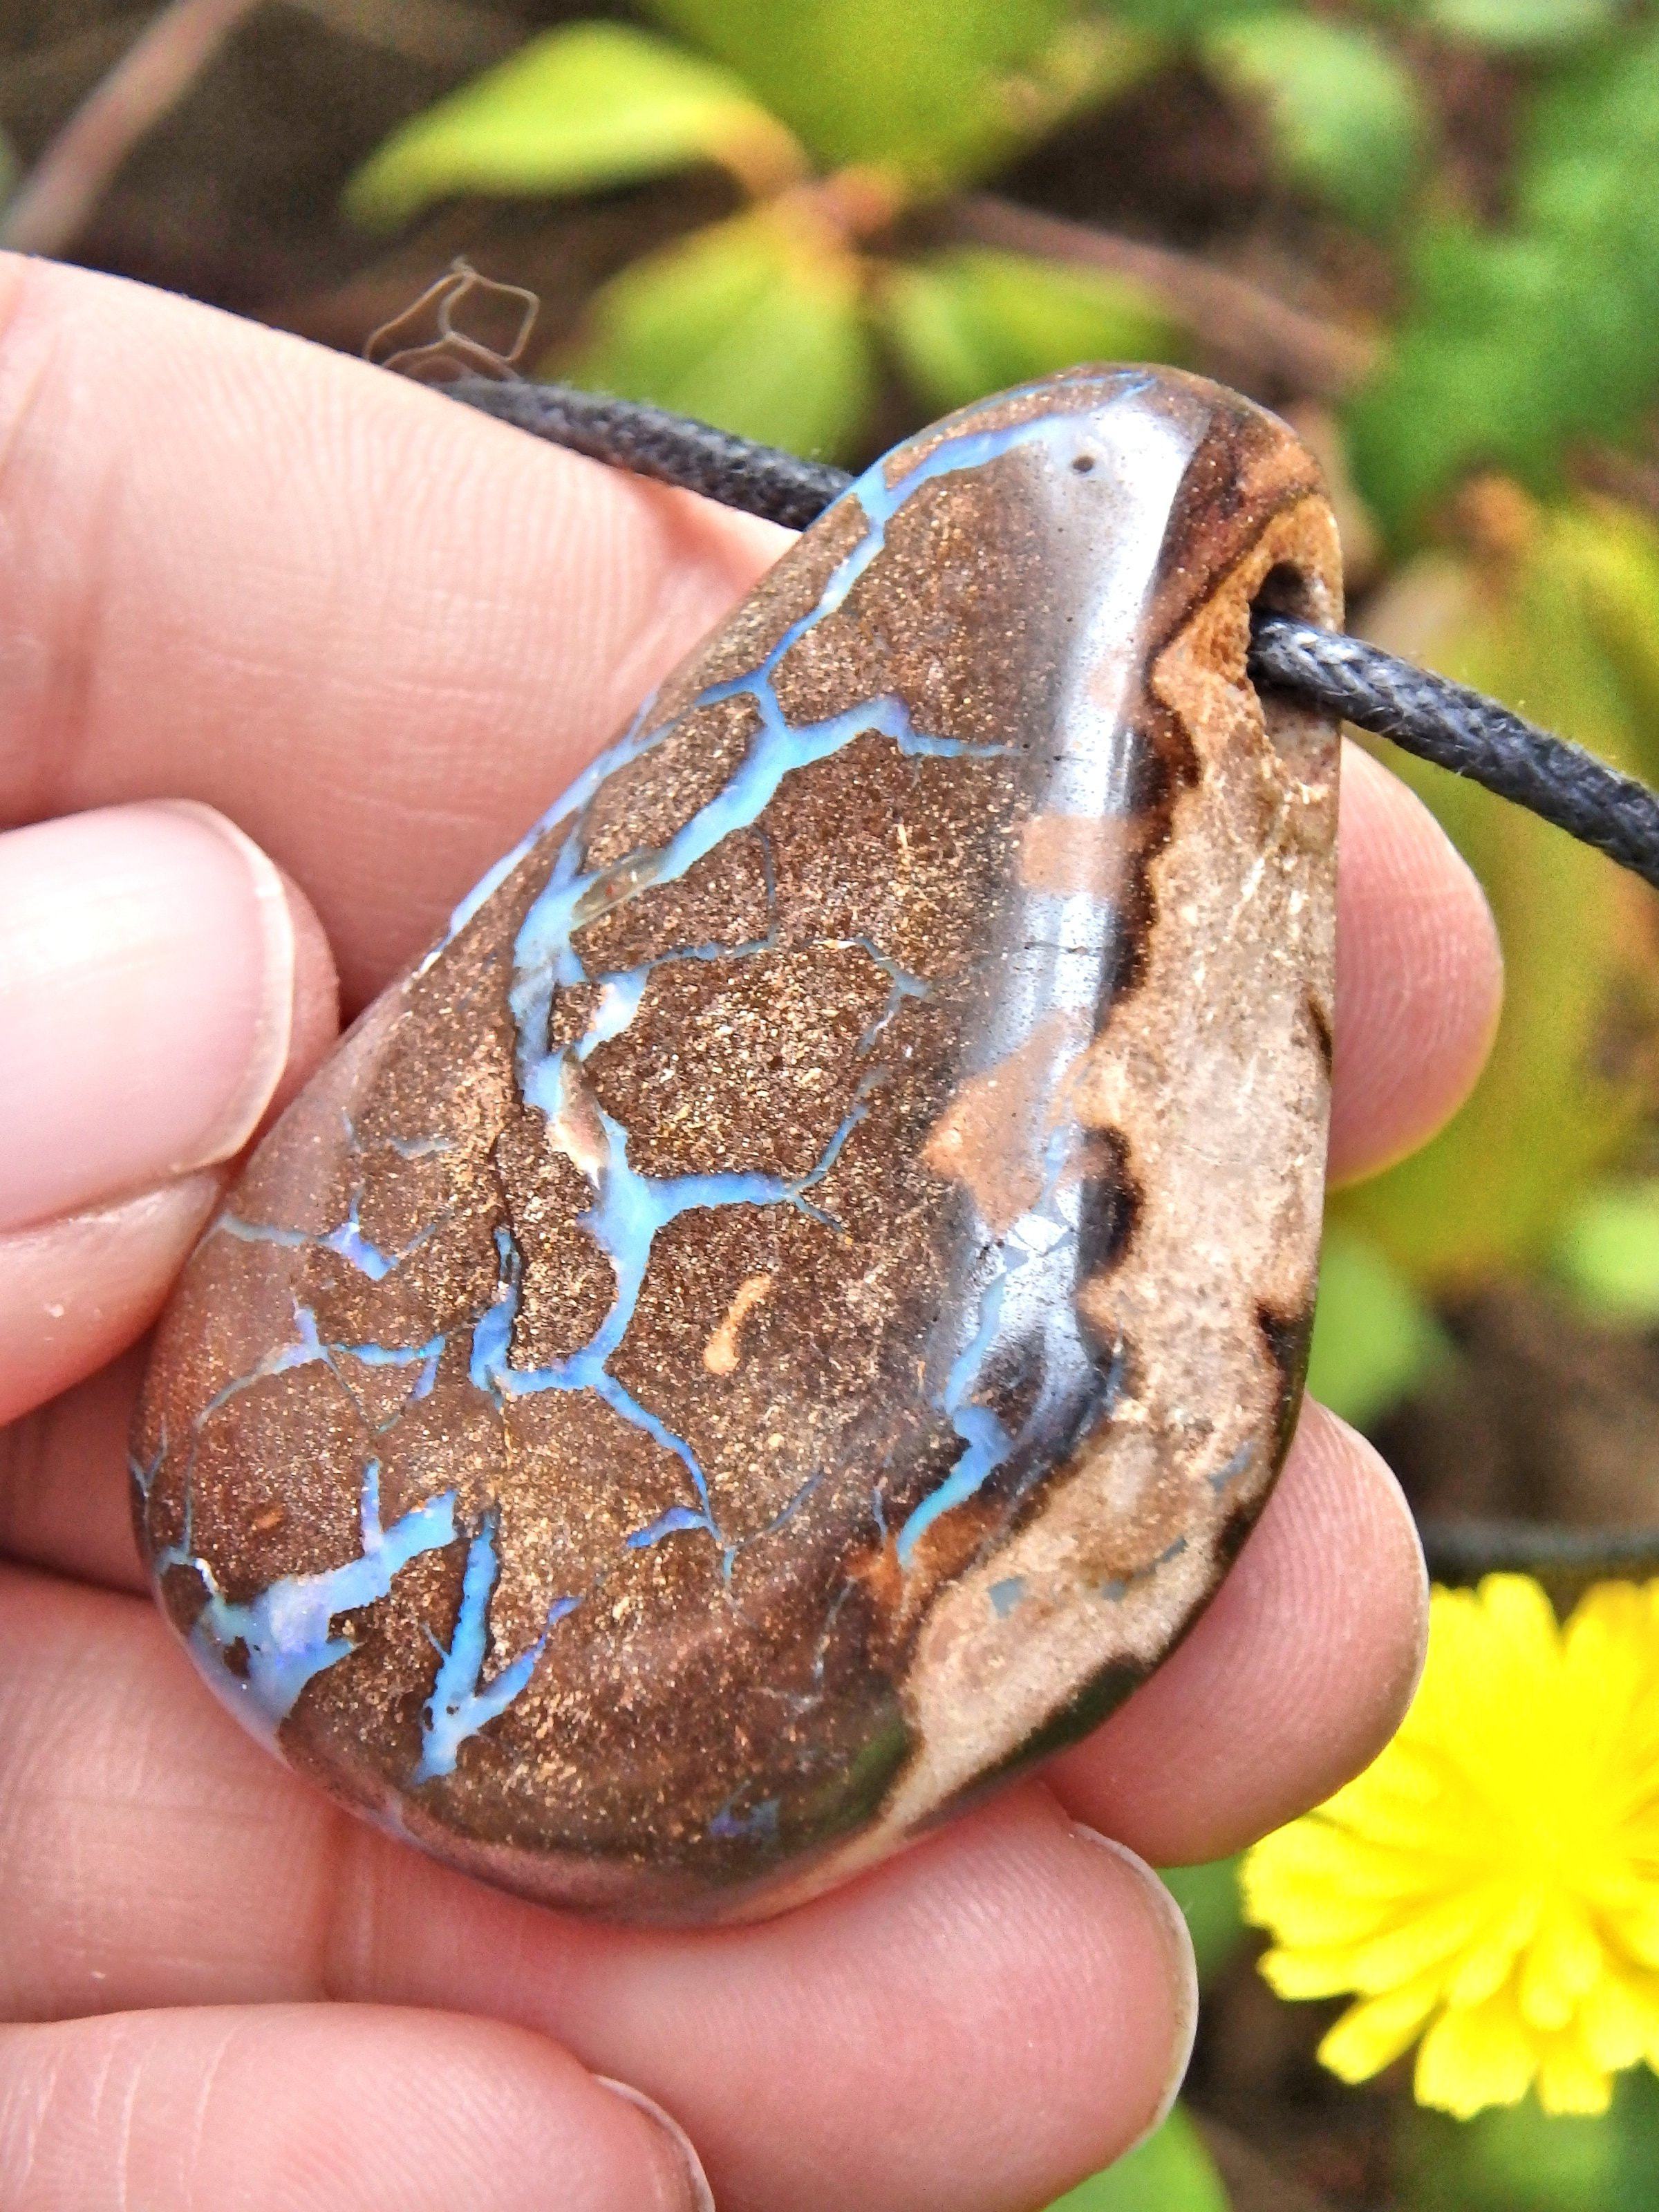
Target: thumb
x: 162, y: 987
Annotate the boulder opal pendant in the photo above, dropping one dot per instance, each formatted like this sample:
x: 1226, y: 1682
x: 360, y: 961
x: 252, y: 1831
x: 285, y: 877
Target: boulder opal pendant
x: 788, y: 1311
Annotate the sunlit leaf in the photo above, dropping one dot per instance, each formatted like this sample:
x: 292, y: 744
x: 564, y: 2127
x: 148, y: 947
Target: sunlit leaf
x: 756, y: 323
x: 937, y: 90
x: 974, y: 320
x: 1209, y: 1900
x: 1608, y: 1254
x: 593, y: 106
x: 1568, y: 1077
x: 1517, y: 2159
x: 1519, y: 342
x: 1345, y: 116
x: 1171, y: 2172
x: 1611, y: 553
x: 1186, y: 18
x: 1374, y: 1339
x: 1521, y: 22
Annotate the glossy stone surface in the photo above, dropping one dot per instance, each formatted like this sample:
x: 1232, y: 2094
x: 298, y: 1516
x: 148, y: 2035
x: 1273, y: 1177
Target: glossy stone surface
x: 790, y: 1307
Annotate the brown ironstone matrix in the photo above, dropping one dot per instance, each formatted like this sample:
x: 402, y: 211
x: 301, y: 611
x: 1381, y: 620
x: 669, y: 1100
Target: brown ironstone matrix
x: 789, y: 1309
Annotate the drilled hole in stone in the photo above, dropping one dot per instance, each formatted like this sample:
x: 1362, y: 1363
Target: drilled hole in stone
x: 1297, y: 732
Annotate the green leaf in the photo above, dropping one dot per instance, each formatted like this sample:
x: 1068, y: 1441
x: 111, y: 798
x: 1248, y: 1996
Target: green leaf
x: 1171, y: 2172
x: 1611, y: 555
x: 1346, y: 119
x: 1521, y: 22
x: 1187, y: 18
x: 1519, y: 342
x: 936, y: 90
x: 974, y: 320
x: 574, y: 111
x: 1518, y: 2159
x: 1208, y: 1898
x: 756, y: 323
x: 1563, y: 1093
x: 1608, y: 1254
x: 1374, y: 1340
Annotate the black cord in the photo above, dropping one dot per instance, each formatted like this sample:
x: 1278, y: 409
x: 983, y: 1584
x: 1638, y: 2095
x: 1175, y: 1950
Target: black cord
x: 674, y: 449
x: 1439, y: 720
x: 1463, y: 1551
x: 1465, y: 732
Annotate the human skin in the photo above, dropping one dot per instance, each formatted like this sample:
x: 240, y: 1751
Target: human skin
x: 377, y: 634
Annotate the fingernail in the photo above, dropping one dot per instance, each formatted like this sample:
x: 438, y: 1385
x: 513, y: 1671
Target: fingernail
x: 1183, y: 1964
x: 147, y: 965
x: 699, y: 2197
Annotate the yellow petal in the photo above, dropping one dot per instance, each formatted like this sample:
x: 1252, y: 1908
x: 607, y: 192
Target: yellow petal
x: 1563, y: 1961
x: 1371, y: 2034
x: 1309, y: 1859
x: 1487, y: 1964
x: 1310, y: 1973
x: 1474, y: 2058
x: 1619, y: 2019
x: 1570, y: 2081
x: 1432, y: 1938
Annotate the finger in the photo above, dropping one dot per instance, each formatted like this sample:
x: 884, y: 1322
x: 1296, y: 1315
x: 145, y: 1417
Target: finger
x: 1420, y: 975
x: 65, y: 1495
x: 148, y: 996
x: 73, y: 1294
x: 978, y: 2022
x: 160, y: 984
x: 1293, y: 1680
x: 367, y: 622
x: 314, y: 2108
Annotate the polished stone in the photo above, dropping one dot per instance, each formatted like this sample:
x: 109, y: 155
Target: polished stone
x: 790, y: 1309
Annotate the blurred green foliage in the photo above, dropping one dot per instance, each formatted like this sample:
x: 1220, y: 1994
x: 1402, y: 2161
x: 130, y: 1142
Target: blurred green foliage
x: 939, y: 90
x: 1347, y: 121
x: 1170, y: 2171
x: 974, y: 320
x: 1608, y: 1251
x: 1514, y: 2159
x: 576, y: 110
x: 764, y: 305
x: 1545, y: 623
x: 1519, y: 340
x: 1375, y: 1336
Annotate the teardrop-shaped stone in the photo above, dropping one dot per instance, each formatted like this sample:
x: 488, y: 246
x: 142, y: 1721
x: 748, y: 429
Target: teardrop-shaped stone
x: 790, y: 1307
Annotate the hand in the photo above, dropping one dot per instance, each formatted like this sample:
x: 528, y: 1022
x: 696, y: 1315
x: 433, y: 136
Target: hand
x: 379, y: 634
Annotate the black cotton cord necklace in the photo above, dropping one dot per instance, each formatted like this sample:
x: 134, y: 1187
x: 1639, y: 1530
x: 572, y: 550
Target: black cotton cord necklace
x: 1426, y: 715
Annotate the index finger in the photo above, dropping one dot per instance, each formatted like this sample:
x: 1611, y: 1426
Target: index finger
x: 379, y: 631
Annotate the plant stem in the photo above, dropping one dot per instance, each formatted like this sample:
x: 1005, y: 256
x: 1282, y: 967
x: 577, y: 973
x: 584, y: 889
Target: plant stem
x: 155, y: 72
x: 1225, y: 310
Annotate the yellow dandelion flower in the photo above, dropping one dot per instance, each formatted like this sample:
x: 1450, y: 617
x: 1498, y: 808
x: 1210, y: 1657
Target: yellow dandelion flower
x: 1491, y: 1882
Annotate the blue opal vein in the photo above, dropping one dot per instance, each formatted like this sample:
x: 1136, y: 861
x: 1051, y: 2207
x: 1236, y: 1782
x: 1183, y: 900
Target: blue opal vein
x: 462, y: 1702
x: 284, y: 1634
